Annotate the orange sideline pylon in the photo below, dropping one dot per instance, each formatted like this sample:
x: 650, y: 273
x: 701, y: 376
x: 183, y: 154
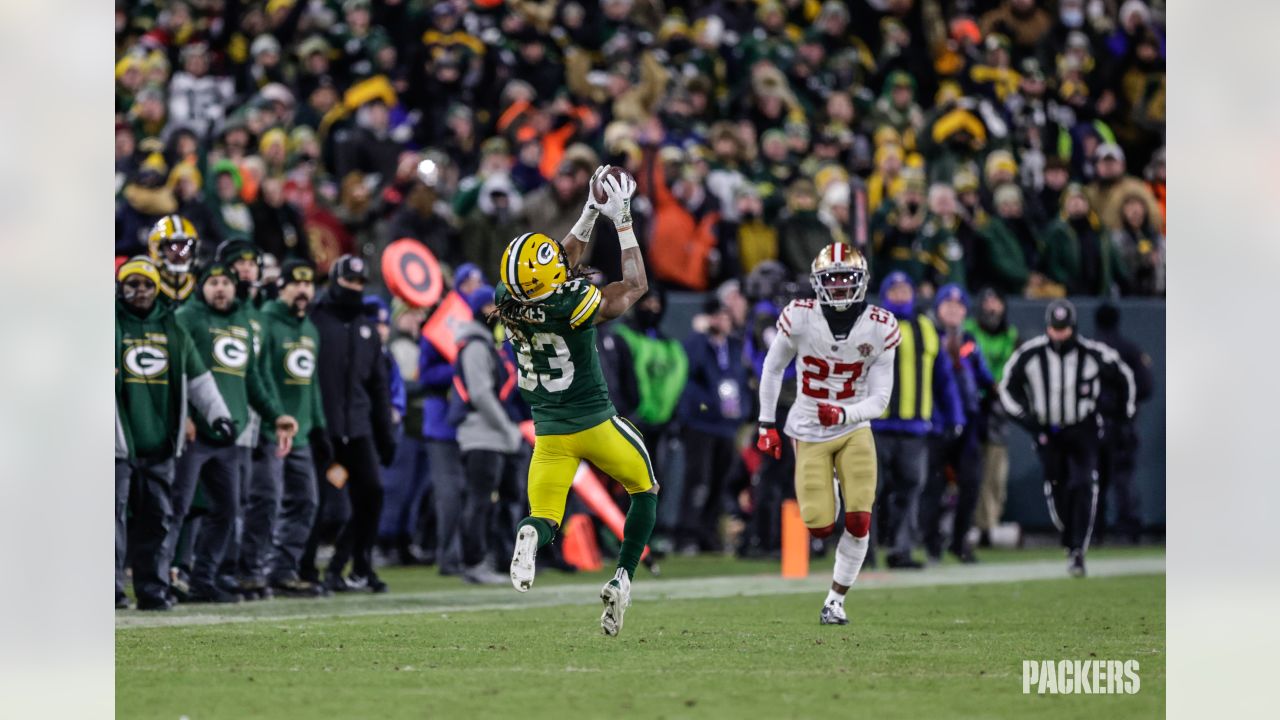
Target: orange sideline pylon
x: 580, y: 547
x: 795, y: 542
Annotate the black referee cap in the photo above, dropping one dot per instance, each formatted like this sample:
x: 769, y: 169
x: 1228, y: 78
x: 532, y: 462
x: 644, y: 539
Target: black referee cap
x: 1060, y: 314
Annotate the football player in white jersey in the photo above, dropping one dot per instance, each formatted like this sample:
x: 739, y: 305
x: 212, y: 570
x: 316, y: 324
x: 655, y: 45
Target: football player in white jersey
x: 844, y: 351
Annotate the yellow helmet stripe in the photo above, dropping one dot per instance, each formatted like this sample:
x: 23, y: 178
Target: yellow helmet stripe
x: 586, y: 307
x: 513, y: 267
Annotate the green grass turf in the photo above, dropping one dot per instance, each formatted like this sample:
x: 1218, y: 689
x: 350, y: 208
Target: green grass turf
x: 928, y: 652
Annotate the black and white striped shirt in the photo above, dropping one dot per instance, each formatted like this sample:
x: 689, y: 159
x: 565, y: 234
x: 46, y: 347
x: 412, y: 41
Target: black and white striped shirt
x: 1050, y: 389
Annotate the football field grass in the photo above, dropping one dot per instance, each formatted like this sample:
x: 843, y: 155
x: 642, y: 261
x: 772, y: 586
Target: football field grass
x: 710, y: 638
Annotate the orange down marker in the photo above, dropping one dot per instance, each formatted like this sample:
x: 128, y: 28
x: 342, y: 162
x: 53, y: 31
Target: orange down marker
x: 795, y: 542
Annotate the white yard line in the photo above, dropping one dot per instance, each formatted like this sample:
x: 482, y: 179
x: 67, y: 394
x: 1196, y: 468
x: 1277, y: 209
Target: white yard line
x: 452, y: 601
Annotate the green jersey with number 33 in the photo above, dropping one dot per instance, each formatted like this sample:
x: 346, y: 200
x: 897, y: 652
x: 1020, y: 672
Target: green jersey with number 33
x: 559, y: 370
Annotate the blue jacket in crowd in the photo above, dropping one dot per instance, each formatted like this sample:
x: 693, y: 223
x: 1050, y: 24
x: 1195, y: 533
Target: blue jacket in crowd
x: 717, y: 397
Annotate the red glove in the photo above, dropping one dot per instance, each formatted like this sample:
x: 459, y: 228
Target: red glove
x: 769, y: 442
x: 830, y: 414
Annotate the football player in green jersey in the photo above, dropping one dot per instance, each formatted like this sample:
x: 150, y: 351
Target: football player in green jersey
x: 550, y: 314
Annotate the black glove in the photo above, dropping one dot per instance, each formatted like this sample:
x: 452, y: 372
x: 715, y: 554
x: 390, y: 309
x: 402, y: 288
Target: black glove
x: 223, y: 432
x: 321, y: 448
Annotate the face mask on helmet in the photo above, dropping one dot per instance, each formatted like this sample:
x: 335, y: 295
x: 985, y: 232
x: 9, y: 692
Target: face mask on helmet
x: 839, y: 288
x: 176, y: 255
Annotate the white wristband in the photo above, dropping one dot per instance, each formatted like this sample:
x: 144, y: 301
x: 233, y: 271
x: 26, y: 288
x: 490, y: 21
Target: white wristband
x: 586, y: 223
x: 627, y: 237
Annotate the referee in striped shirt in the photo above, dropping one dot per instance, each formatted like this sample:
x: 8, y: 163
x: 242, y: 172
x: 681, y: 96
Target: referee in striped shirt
x: 1057, y: 386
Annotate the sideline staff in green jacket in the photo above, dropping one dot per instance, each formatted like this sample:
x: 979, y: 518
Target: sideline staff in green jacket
x: 158, y: 371
x: 283, y: 494
x: 220, y: 330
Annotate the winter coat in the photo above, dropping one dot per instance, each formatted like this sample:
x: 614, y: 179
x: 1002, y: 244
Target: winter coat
x: 717, y: 397
x: 158, y: 372
x: 353, y: 372
x: 1004, y: 262
x: 1065, y: 253
x: 681, y: 244
x: 485, y: 381
x: 1107, y: 199
x: 801, y: 236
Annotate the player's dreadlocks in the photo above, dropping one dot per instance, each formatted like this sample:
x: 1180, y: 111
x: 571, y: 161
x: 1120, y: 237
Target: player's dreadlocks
x: 511, y: 312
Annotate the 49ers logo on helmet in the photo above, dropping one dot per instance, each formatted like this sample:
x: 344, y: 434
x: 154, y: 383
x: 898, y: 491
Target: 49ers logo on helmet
x: 146, y: 361
x: 300, y: 363
x: 231, y: 352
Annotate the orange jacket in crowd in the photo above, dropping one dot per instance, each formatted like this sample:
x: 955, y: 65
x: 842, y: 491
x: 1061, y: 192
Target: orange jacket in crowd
x: 680, y: 244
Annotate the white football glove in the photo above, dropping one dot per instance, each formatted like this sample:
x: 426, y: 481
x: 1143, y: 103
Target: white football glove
x: 618, y: 206
x: 592, y: 207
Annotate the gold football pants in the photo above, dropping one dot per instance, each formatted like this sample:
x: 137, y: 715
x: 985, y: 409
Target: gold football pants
x: 854, y: 458
x: 614, y: 446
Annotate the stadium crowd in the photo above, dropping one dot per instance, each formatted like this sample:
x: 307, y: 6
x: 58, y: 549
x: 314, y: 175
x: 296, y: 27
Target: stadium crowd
x: 969, y: 148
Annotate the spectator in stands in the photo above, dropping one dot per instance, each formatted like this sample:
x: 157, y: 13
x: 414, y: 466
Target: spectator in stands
x: 497, y: 218
x: 1112, y: 186
x: 1011, y: 246
x: 801, y: 234
x: 143, y: 202
x: 277, y: 225
x: 1024, y: 23
x: 199, y: 98
x: 1077, y: 253
x: 683, y: 249
x: 553, y: 208
x: 1141, y: 248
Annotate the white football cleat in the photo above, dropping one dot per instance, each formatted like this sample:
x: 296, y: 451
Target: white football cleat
x: 616, y: 595
x: 833, y: 614
x: 523, y: 558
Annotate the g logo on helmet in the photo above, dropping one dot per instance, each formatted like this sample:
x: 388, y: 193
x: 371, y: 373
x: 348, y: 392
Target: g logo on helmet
x: 231, y: 352
x: 546, y: 254
x: 300, y: 363
x: 146, y: 361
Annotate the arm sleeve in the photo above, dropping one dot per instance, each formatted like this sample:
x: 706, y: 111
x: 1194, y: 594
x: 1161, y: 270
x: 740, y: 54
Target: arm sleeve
x: 780, y: 353
x: 399, y: 398
x: 317, y: 407
x: 379, y: 392
x: 879, y: 390
x: 1123, y: 377
x: 986, y: 381
x: 1013, y: 394
x: 947, y: 390
x: 262, y: 394
x: 477, y: 368
x: 433, y: 371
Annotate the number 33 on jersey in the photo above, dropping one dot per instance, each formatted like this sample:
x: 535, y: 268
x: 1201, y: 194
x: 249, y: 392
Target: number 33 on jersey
x: 829, y: 370
x: 559, y: 371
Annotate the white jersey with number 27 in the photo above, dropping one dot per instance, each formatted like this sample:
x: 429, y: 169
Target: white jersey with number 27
x: 855, y: 373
